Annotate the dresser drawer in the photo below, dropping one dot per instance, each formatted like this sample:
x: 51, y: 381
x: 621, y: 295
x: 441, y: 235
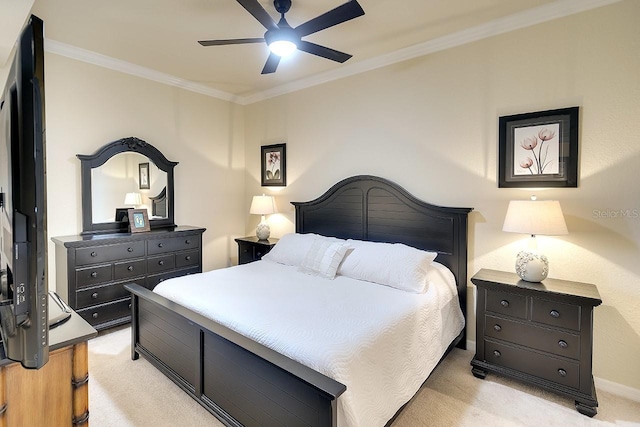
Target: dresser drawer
x: 101, y: 254
x: 93, y: 275
x: 172, y: 244
x: 152, y: 281
x: 100, y: 294
x: 128, y: 269
x: 506, y: 303
x: 537, y: 364
x: 161, y: 263
x: 555, y: 314
x: 107, y: 312
x: 187, y: 259
x: 545, y: 339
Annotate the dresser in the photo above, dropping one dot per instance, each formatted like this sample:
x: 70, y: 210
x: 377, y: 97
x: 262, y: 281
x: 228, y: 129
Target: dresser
x: 252, y: 249
x: 91, y: 270
x: 539, y: 333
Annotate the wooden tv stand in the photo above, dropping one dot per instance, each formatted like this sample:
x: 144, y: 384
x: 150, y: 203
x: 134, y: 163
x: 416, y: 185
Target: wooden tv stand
x: 56, y: 394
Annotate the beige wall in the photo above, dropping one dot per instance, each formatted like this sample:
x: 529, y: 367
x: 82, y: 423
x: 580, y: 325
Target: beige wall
x: 430, y: 124
x: 89, y: 106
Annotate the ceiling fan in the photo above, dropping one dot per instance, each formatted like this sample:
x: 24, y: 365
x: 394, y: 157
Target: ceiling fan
x: 282, y: 39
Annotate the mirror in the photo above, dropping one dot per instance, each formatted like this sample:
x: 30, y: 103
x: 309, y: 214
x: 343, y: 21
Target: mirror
x: 128, y: 173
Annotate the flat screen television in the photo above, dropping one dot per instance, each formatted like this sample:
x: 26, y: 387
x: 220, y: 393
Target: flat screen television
x: 23, y: 211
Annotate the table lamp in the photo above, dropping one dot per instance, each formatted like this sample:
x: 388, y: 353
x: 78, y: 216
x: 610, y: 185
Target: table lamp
x: 534, y: 217
x: 133, y: 199
x: 262, y: 205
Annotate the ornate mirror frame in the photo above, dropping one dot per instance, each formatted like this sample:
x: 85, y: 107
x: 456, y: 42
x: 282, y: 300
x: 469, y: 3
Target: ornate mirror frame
x: 100, y: 157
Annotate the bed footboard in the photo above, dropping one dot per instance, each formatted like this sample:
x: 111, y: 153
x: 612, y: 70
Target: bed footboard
x: 238, y: 380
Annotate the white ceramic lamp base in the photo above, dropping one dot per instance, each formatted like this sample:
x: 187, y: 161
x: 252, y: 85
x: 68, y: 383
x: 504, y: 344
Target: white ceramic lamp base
x: 262, y: 231
x: 532, y: 266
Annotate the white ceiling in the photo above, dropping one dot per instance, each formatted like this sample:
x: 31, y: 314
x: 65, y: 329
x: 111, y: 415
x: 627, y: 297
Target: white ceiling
x: 158, y: 38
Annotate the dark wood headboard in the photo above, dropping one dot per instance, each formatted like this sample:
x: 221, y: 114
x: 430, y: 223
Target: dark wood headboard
x: 159, y: 204
x: 367, y: 207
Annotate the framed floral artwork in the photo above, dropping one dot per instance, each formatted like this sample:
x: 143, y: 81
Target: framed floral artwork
x: 143, y: 176
x: 538, y: 149
x: 273, y: 165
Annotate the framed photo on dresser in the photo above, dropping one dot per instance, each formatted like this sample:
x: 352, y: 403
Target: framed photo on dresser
x: 139, y: 220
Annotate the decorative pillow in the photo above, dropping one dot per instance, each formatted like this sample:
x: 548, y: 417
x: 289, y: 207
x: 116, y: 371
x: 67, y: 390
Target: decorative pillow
x: 292, y: 248
x: 323, y: 258
x: 391, y: 264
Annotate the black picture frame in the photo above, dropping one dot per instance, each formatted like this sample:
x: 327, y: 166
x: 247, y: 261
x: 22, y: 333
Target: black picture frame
x: 273, y: 165
x: 143, y: 176
x: 138, y: 220
x: 122, y: 214
x: 538, y: 149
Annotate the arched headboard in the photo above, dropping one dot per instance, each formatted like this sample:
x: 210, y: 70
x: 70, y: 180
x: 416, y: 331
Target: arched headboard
x: 367, y: 207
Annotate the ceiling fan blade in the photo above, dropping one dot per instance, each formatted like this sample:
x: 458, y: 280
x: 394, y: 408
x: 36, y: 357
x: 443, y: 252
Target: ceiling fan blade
x: 258, y: 12
x: 340, y: 14
x: 230, y: 41
x: 325, y: 52
x: 272, y: 64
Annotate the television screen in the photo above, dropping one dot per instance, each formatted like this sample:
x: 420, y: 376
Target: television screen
x: 23, y: 245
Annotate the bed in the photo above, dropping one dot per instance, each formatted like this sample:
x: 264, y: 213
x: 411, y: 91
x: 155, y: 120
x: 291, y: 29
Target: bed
x: 248, y: 378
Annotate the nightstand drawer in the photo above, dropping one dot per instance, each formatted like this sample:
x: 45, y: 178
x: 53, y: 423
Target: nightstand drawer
x: 93, y: 275
x: 506, y: 303
x: 106, y: 253
x: 544, y: 339
x: 555, y: 314
x: 536, y: 364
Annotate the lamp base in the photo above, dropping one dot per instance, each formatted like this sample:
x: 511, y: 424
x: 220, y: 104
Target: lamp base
x: 532, y: 266
x: 262, y: 231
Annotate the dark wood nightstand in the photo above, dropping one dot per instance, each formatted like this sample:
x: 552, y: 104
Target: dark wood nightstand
x: 539, y: 333
x: 251, y: 249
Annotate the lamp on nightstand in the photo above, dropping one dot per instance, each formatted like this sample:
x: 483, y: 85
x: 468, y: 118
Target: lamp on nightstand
x: 262, y: 205
x: 534, y: 217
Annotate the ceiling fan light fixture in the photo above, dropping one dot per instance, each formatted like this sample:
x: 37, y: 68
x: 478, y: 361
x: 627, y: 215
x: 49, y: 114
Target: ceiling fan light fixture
x: 282, y: 47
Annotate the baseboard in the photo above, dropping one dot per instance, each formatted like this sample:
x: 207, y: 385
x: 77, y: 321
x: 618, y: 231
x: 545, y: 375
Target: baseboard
x: 618, y: 389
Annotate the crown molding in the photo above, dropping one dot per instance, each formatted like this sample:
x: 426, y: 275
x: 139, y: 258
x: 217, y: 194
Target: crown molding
x: 527, y: 18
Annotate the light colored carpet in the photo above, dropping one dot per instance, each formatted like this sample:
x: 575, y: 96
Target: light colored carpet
x: 123, y: 392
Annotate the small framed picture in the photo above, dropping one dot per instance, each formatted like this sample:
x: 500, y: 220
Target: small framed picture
x: 143, y: 176
x: 274, y: 165
x: 539, y: 149
x: 122, y: 214
x: 138, y: 220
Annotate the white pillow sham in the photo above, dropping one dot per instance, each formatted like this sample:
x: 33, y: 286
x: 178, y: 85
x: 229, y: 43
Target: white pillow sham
x: 293, y: 247
x: 391, y: 264
x: 323, y: 258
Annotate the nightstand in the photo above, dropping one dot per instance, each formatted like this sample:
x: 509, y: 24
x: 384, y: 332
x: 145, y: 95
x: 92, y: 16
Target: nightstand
x: 251, y: 249
x: 538, y: 333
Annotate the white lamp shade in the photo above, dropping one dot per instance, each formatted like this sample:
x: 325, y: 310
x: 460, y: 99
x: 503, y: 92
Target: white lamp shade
x: 262, y: 205
x: 133, y: 199
x: 535, y: 217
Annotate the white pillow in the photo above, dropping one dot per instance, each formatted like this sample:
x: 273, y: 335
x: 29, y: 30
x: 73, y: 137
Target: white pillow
x: 292, y: 248
x: 391, y: 264
x: 323, y: 258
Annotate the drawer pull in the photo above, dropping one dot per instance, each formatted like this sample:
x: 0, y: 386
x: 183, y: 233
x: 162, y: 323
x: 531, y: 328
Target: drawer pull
x: 130, y: 268
x: 562, y: 372
x: 94, y: 274
x: 563, y: 344
x: 160, y: 245
x: 187, y: 242
x: 497, y: 328
x: 94, y: 295
x: 161, y: 262
x: 188, y: 257
x: 496, y: 353
x: 129, y: 305
x: 94, y: 315
x: 554, y: 314
x: 504, y: 303
x: 93, y: 254
x: 129, y: 249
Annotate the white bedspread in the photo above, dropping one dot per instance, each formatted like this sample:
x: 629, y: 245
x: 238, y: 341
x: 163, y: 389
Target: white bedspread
x: 380, y: 342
